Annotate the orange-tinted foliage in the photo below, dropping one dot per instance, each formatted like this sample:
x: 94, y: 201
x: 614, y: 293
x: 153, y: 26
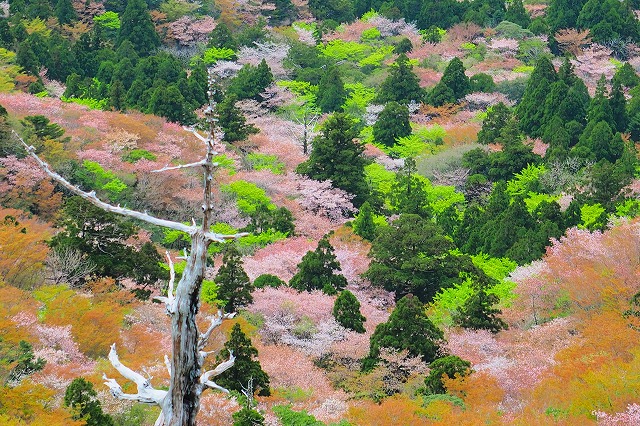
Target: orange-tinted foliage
x: 32, y: 404
x: 22, y: 248
x: 94, y: 326
x: 397, y: 410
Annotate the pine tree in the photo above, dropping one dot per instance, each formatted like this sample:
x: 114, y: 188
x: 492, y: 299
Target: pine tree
x: 455, y: 79
x: 408, y: 328
x: 338, y: 157
x: 392, y: 123
x: 346, y: 311
x: 478, y: 313
x: 137, y: 27
x: 363, y: 224
x: 246, y: 366
x: 331, y: 91
x: 319, y: 270
x: 401, y: 85
x: 232, y: 121
x: 234, y: 286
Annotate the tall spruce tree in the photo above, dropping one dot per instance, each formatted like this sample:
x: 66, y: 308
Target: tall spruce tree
x: 529, y: 111
x: 246, y: 366
x: 319, y: 270
x: 234, y: 286
x: 455, y: 78
x: 401, y: 85
x: 331, y: 91
x: 137, y: 27
x: 337, y: 156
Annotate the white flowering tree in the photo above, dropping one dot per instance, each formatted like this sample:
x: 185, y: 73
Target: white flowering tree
x: 181, y: 402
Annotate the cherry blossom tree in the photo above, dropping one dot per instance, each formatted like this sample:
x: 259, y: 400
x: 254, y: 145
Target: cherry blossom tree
x: 188, y: 379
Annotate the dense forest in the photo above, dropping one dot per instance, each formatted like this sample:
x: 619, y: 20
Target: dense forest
x: 436, y: 208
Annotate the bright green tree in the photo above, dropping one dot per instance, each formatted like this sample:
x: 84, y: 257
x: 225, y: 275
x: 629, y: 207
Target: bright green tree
x: 234, y: 286
x: 408, y: 192
x: 319, y: 270
x: 246, y: 367
x: 392, y: 123
x: 346, y: 311
x: 363, y: 224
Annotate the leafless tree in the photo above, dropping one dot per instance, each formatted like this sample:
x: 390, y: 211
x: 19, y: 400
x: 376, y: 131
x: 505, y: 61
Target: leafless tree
x: 67, y: 265
x: 181, y: 402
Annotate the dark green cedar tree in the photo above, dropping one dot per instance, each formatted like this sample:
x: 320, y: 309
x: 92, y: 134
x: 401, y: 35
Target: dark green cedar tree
x: 408, y: 328
x: 346, y: 311
x: 478, y: 313
x: 137, y: 27
x: 83, y: 400
x: 446, y: 367
x: 337, y: 156
x: 319, y: 270
x: 246, y: 366
x: 331, y: 91
x: 401, y: 85
x: 234, y: 286
x: 392, y: 123
x: 232, y: 122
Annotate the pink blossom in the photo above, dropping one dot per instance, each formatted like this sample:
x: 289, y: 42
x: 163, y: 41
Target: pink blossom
x: 629, y: 417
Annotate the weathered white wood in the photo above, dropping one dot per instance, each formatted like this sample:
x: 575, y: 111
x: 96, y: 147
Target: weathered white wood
x: 146, y: 393
x: 180, y: 404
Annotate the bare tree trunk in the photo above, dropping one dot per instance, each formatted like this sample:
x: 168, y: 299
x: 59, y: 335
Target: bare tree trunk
x: 186, y: 365
x: 181, y: 403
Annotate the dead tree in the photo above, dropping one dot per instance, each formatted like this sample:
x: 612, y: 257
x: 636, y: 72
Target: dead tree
x: 179, y: 404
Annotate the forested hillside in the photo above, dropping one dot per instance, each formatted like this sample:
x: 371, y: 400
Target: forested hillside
x: 434, y: 207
